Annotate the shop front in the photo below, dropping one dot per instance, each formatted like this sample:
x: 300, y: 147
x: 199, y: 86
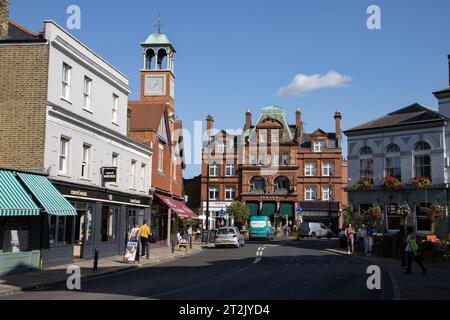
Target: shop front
x: 168, y: 208
x: 104, y: 218
x: 281, y: 213
x: 27, y: 202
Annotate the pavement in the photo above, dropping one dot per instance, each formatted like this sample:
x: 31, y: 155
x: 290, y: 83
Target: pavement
x: 434, y: 285
x: 310, y: 269
x: 18, y: 282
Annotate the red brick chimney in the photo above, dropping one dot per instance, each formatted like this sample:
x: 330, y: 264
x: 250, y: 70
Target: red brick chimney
x: 248, y: 120
x: 299, y: 125
x: 209, y: 122
x: 338, y: 118
x: 4, y: 18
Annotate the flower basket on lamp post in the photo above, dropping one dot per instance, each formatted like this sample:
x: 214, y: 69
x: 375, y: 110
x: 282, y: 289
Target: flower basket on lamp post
x: 405, y: 212
x: 376, y: 214
x: 435, y: 213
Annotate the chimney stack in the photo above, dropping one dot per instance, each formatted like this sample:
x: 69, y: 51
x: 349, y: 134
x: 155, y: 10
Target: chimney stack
x: 4, y: 18
x: 299, y: 125
x: 248, y: 120
x: 209, y: 122
x: 338, y: 118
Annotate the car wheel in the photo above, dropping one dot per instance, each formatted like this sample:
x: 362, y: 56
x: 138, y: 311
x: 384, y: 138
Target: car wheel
x: 313, y: 234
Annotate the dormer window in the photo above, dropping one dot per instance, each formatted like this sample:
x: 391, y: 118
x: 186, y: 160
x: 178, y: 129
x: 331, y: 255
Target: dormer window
x: 275, y: 136
x: 222, y: 148
x: 262, y: 137
x: 318, y: 146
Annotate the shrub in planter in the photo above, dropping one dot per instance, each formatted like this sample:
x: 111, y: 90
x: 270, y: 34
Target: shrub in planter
x: 391, y: 184
x: 421, y: 183
x: 364, y: 184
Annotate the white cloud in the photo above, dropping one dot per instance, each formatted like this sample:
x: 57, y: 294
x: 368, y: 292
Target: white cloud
x: 302, y: 84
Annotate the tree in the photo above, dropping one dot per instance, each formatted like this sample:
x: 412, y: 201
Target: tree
x: 239, y: 211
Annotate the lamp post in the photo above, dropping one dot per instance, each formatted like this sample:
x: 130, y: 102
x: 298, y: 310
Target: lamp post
x: 207, y: 197
x: 330, y: 199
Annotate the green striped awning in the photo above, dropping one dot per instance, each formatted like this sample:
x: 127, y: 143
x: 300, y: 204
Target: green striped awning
x: 48, y: 196
x: 254, y: 208
x: 14, y: 200
x: 286, y: 209
x: 269, y: 209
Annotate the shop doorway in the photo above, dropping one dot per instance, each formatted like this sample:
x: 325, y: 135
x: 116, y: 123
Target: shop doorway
x: 134, y: 216
x: 83, y: 229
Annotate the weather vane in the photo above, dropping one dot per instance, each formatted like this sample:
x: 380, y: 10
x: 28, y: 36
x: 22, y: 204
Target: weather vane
x: 159, y: 24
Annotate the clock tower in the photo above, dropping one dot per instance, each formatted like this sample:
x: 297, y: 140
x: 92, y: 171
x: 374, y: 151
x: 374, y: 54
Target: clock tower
x: 157, y: 77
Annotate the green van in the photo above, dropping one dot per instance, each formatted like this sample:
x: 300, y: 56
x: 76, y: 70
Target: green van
x: 260, y: 228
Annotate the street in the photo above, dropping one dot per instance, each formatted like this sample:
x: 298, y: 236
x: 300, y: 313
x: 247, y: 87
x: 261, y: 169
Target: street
x: 277, y: 270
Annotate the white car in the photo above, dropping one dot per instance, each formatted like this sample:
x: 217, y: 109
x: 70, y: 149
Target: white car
x: 229, y: 236
x: 315, y: 230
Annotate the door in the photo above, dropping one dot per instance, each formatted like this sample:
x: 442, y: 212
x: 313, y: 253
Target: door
x: 83, y: 229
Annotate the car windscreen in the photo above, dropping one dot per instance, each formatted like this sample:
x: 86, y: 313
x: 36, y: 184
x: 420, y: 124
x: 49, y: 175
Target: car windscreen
x: 226, y: 231
x: 258, y: 224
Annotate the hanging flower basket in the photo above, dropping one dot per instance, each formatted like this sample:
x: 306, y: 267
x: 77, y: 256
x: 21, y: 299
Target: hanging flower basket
x: 391, y: 184
x: 364, y: 184
x: 421, y: 183
x: 404, y: 211
x: 436, y: 213
x: 375, y: 212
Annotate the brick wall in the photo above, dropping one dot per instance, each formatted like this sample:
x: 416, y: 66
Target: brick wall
x: 23, y: 99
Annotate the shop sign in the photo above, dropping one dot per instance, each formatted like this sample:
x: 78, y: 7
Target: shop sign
x: 269, y: 198
x: 109, y: 174
x: 78, y: 193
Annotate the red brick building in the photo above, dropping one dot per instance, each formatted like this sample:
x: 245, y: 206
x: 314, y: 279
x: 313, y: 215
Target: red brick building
x: 277, y: 169
x: 152, y: 121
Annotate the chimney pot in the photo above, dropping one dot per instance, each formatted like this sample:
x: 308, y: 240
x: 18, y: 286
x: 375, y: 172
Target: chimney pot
x: 209, y: 122
x: 338, y: 118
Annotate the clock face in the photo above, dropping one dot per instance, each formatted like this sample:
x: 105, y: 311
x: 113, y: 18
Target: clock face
x: 154, y: 85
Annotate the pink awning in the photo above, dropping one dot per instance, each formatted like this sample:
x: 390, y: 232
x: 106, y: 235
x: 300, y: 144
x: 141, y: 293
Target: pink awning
x: 180, y: 208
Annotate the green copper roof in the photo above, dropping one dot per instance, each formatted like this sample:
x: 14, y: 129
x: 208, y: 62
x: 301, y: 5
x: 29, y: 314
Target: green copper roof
x: 157, y: 38
x: 276, y: 113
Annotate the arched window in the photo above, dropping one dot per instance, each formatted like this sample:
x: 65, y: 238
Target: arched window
x: 393, y: 162
x: 422, y: 160
x: 162, y: 59
x: 366, y: 163
x: 282, y: 185
x: 258, y: 184
x: 149, y: 59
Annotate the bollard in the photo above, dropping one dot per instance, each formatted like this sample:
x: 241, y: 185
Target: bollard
x: 96, y: 260
x: 147, y: 253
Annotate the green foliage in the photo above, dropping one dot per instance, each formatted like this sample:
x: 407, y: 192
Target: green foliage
x: 239, y: 211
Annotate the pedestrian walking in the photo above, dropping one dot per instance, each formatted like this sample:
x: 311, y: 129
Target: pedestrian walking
x: 368, y: 240
x: 350, y: 234
x: 360, y: 239
x: 401, y: 245
x: 145, y: 234
x: 412, y: 251
x: 189, y: 231
x: 134, y: 233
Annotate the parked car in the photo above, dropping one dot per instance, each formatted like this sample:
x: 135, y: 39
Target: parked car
x: 260, y: 228
x: 230, y: 236
x: 315, y: 229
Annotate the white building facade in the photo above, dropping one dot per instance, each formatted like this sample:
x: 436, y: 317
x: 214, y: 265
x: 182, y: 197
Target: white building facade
x: 408, y: 143
x: 88, y: 155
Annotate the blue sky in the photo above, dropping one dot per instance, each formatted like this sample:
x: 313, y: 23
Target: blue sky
x: 236, y: 55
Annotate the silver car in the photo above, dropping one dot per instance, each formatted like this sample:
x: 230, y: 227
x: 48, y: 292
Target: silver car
x: 229, y: 236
